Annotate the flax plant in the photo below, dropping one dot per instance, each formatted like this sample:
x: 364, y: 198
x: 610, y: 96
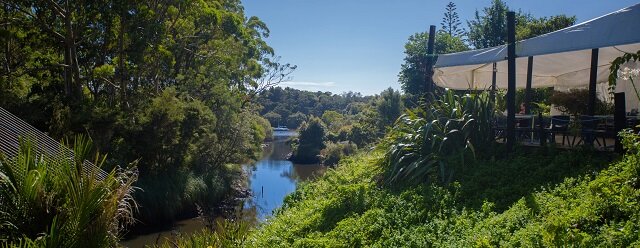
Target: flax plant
x: 426, y: 140
x: 61, y: 201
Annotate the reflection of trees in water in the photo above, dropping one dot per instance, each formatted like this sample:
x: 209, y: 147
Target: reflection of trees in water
x: 280, y: 148
x: 275, y: 167
x: 303, y: 172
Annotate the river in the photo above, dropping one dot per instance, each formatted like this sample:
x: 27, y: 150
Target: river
x: 270, y: 179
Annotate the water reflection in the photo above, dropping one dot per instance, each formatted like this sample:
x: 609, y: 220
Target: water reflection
x: 270, y: 179
x: 273, y: 177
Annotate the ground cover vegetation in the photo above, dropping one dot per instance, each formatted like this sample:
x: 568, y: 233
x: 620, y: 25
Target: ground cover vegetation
x: 169, y: 84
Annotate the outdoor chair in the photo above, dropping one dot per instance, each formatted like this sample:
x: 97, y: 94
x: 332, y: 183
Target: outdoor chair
x: 543, y: 125
x: 560, y: 126
x: 589, y: 131
x: 633, y: 122
x: 609, y: 130
x: 524, y: 129
x: 499, y: 127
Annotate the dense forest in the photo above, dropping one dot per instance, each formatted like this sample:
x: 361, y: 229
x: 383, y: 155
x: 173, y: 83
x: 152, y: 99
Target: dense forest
x: 168, y: 86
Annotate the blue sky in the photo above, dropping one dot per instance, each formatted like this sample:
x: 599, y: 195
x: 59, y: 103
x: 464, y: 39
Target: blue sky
x: 358, y: 45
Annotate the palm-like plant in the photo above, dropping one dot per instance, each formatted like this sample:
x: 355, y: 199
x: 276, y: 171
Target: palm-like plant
x: 425, y: 140
x: 55, y: 201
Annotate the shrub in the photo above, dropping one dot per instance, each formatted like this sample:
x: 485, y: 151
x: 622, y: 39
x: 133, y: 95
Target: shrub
x: 333, y: 152
x: 575, y: 102
x: 55, y: 201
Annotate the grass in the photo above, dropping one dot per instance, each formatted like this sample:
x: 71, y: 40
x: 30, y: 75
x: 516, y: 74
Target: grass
x: 534, y: 199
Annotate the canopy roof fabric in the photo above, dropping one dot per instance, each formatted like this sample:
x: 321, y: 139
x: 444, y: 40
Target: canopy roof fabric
x: 561, y: 58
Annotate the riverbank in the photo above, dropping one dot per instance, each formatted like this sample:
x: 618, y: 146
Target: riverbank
x: 256, y: 193
x: 536, y: 198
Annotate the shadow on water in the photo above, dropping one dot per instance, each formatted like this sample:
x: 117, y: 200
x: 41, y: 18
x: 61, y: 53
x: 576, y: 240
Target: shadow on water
x: 270, y: 180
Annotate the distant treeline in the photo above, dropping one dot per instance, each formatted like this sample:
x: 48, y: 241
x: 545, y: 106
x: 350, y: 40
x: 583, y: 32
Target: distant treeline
x: 290, y: 107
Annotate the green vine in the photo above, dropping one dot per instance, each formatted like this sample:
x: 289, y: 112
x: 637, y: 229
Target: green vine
x: 615, y: 67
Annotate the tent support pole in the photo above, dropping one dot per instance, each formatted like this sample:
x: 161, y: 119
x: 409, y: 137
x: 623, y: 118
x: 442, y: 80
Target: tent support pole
x: 593, y: 75
x: 527, y: 92
x: 492, y: 95
x: 619, y: 119
x: 429, y: 72
x: 511, y: 72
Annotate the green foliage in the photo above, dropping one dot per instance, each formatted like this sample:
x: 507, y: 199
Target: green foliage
x: 575, y: 102
x: 539, y: 99
x: 412, y: 72
x: 170, y: 84
x: 615, y: 68
x: 451, y: 21
x: 333, y: 152
x: 362, y: 134
x: 273, y: 118
x: 424, y: 141
x: 542, y: 198
x: 333, y: 120
x: 56, y: 201
x: 296, y: 119
x: 389, y: 107
x: 489, y: 29
x: 298, y: 105
x: 227, y: 233
x: 310, y: 141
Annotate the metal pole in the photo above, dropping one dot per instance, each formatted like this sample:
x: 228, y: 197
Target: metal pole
x: 511, y: 72
x: 591, y: 110
x: 429, y: 72
x: 493, y: 83
x: 527, y: 92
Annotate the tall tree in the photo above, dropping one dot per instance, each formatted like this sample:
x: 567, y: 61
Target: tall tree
x: 412, y: 72
x: 389, y: 107
x: 489, y: 28
x: 451, y: 21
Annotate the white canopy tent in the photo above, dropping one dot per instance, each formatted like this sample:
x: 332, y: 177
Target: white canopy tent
x: 561, y: 59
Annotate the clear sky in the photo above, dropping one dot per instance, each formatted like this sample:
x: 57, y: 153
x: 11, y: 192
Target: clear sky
x: 358, y: 45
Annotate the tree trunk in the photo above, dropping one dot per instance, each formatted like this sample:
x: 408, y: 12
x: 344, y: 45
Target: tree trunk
x: 121, y: 67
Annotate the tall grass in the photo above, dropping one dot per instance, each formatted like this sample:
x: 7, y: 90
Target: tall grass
x: 426, y: 140
x: 226, y: 233
x: 54, y: 201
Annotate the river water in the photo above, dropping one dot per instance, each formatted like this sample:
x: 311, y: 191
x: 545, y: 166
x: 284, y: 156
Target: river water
x: 270, y: 179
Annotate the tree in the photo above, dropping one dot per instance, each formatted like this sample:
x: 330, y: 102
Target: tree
x: 296, y: 119
x: 333, y: 120
x: 389, y: 106
x: 536, y: 27
x: 310, y: 142
x: 273, y: 118
x: 413, y: 70
x: 489, y: 28
x: 167, y: 82
x: 451, y: 21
